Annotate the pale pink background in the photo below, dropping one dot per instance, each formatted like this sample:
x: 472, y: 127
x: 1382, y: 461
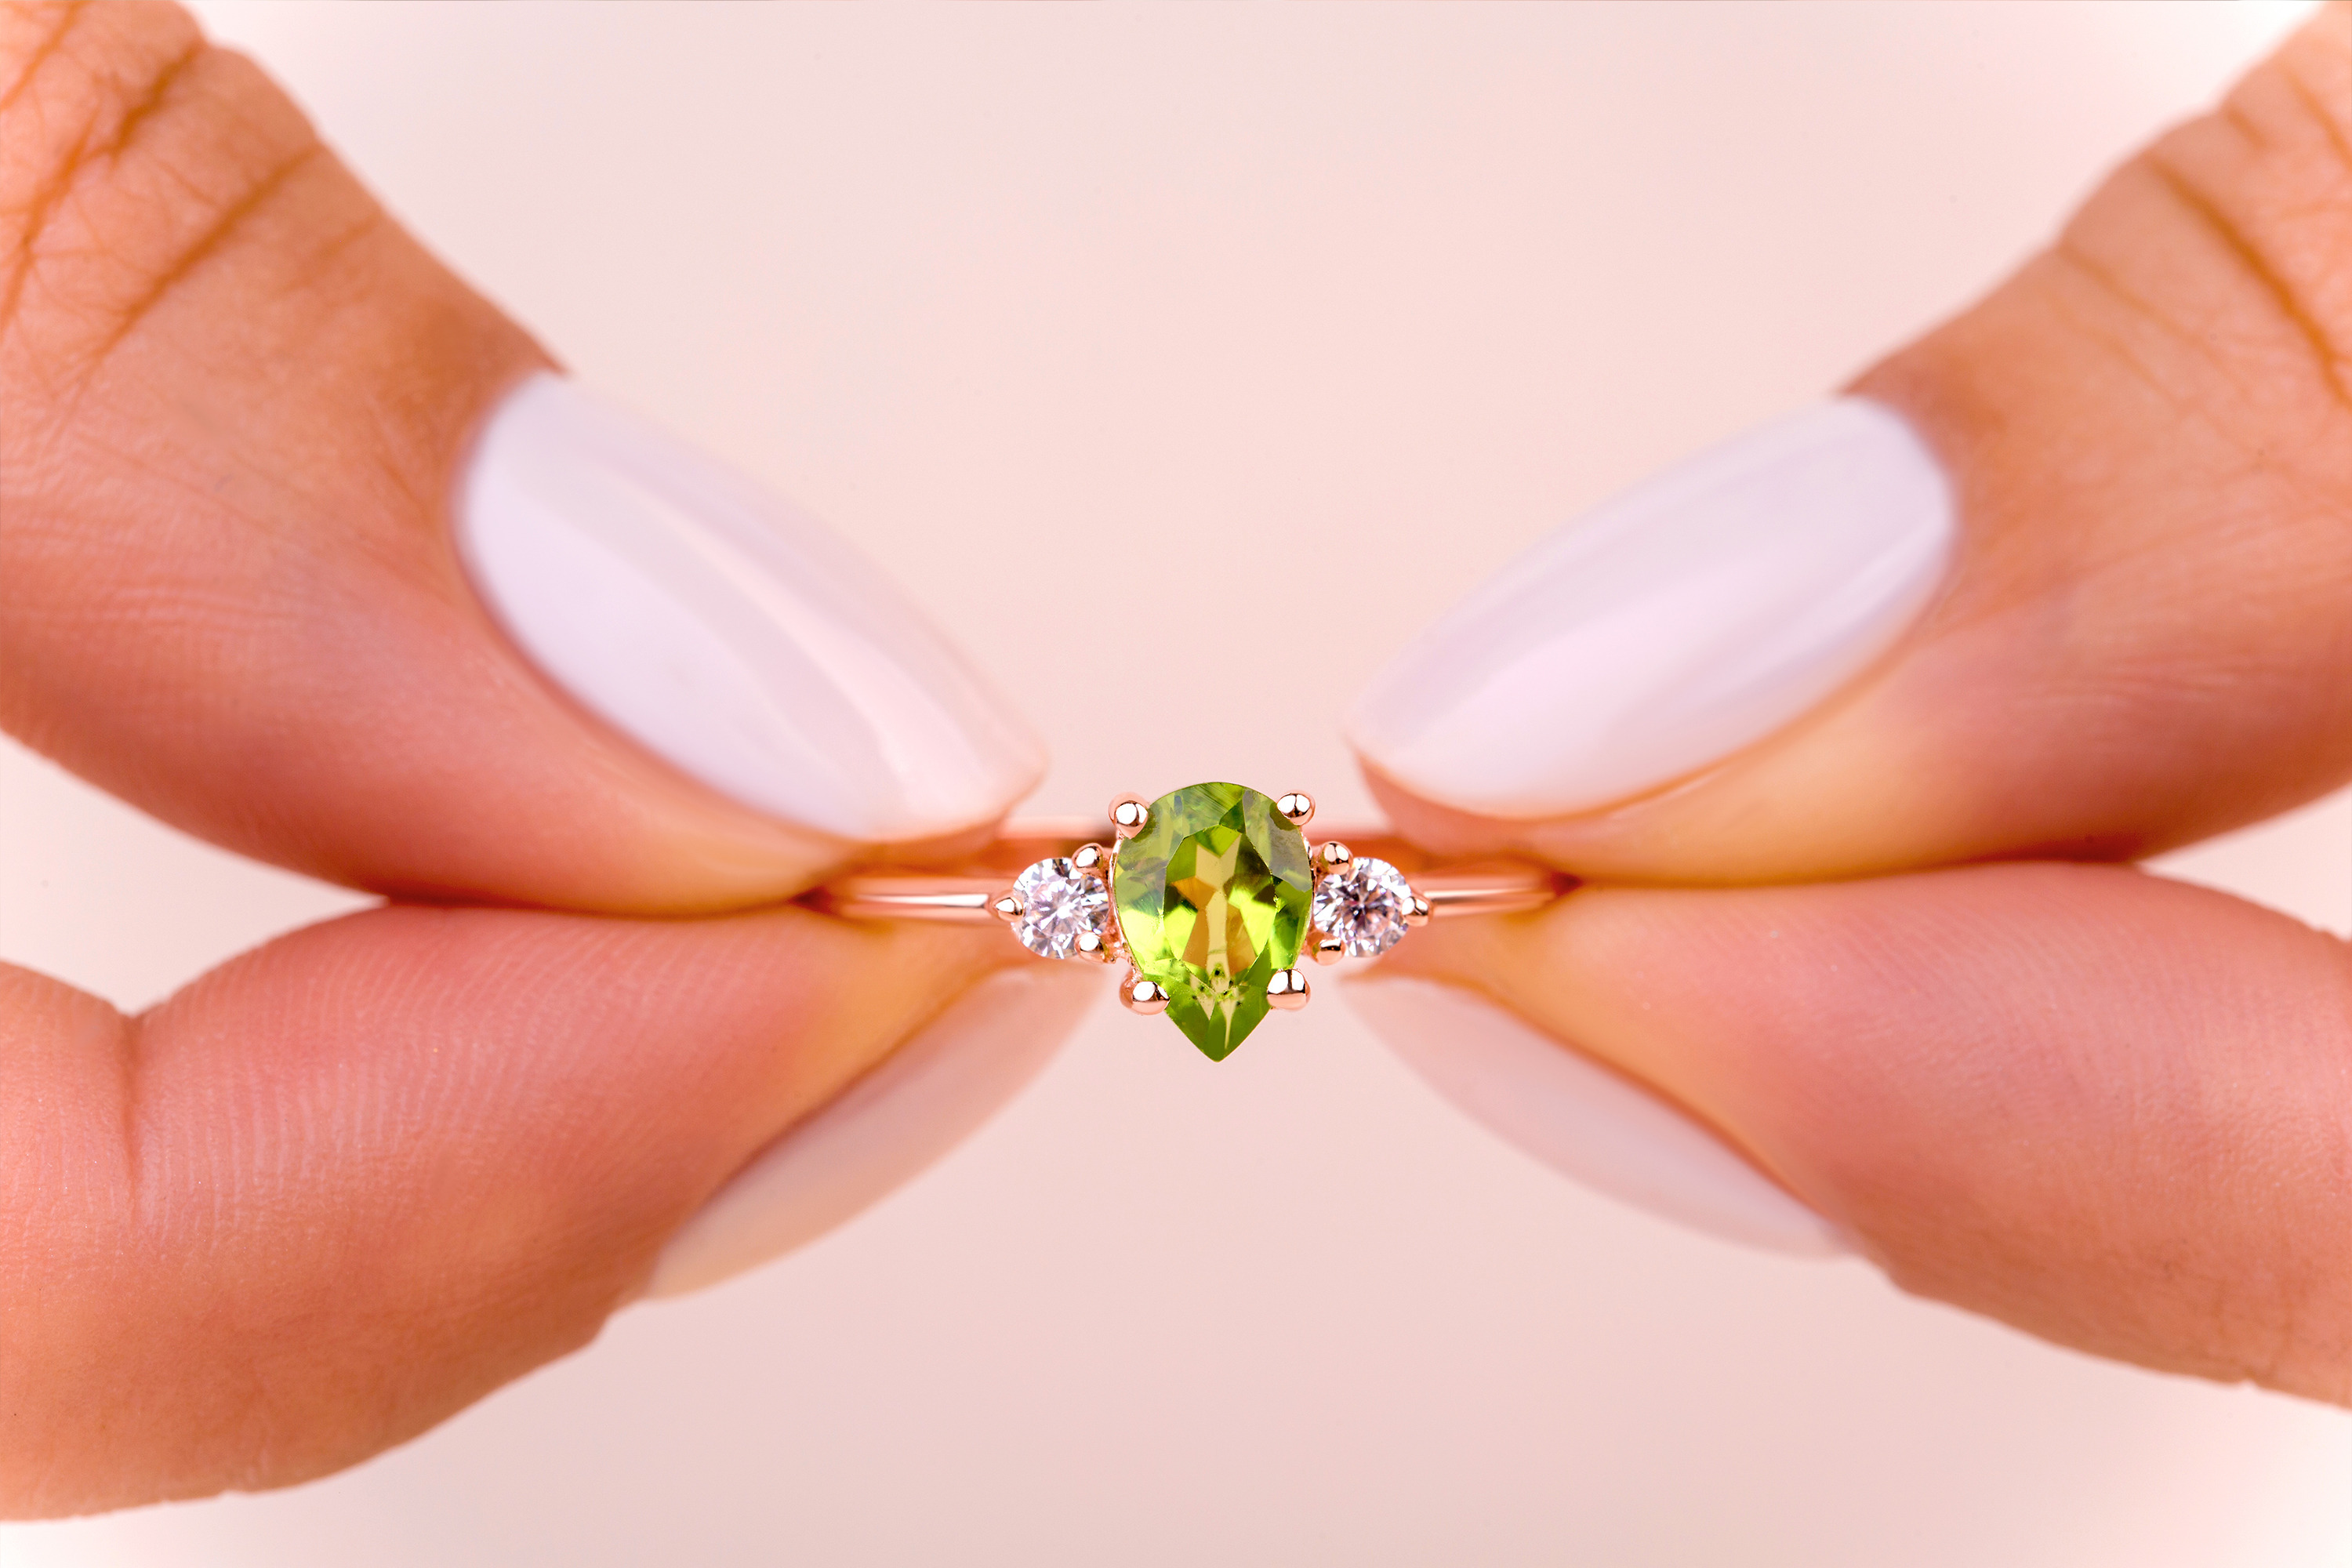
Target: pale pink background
x: 1020, y: 299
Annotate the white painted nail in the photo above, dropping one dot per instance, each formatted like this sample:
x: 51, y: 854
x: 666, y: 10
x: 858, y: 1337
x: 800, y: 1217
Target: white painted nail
x: 1583, y: 1119
x: 1664, y: 630
x: 917, y: 1104
x: 724, y: 631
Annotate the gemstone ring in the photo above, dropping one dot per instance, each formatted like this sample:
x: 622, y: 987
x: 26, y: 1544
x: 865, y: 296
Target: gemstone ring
x: 1211, y: 895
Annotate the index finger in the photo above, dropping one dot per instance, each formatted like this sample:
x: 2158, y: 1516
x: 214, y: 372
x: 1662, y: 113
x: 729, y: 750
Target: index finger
x: 246, y: 424
x: 2071, y: 575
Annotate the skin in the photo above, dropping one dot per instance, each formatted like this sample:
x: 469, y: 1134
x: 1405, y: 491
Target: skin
x: 228, y: 593
x: 1873, y: 950
x: 358, y: 1178
x: 2146, y: 638
x: 353, y: 1181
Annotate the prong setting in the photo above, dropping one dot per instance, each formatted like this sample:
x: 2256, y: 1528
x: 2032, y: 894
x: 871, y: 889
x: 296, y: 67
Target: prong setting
x: 1063, y: 907
x: 1141, y: 996
x: 1195, y: 899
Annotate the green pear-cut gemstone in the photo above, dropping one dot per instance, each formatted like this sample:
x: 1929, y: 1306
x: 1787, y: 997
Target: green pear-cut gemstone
x: 1213, y: 899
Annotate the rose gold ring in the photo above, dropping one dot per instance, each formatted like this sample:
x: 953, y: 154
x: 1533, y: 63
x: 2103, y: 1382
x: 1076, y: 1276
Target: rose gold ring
x: 1210, y: 895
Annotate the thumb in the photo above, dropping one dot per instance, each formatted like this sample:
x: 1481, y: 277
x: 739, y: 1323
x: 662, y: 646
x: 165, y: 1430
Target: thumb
x: 306, y: 551
x: 352, y: 1181
x: 2072, y: 574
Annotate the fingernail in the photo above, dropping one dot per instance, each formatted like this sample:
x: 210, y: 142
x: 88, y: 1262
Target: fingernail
x: 921, y: 1101
x: 1583, y: 1119
x: 1669, y: 628
x: 723, y: 630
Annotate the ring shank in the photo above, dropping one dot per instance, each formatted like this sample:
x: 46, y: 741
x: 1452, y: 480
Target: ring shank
x: 962, y: 894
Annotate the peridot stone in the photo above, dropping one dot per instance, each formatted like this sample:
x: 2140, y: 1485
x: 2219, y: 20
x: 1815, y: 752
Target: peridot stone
x: 1213, y: 899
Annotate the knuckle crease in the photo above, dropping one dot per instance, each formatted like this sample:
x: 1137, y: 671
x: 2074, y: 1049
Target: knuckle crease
x: 230, y: 219
x: 2324, y: 349
x: 41, y: 55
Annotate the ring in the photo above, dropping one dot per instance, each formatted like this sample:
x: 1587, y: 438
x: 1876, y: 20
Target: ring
x: 1210, y: 894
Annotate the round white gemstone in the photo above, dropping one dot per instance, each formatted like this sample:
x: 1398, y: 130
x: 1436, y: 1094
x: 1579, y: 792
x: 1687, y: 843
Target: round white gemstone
x: 1364, y: 906
x: 1060, y: 904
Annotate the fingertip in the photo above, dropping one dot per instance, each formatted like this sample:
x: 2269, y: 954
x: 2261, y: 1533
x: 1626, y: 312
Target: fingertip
x: 723, y: 631
x: 1597, y: 1127
x: 1672, y: 626
x: 906, y: 1113
x: 353, y: 1181
x: 2105, y: 1108
x: 658, y: 690
x: 2098, y: 609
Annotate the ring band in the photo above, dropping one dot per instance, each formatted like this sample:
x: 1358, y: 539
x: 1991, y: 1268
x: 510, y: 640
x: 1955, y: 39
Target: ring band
x: 965, y: 897
x: 1210, y: 894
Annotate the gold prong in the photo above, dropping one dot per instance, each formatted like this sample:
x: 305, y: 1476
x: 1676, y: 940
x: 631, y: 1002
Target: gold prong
x: 1091, y: 945
x: 1141, y: 996
x: 1008, y: 908
x: 1418, y: 915
x: 1333, y: 856
x: 1129, y: 815
x: 1299, y: 808
x: 1330, y: 950
x: 1089, y: 858
x: 1286, y: 989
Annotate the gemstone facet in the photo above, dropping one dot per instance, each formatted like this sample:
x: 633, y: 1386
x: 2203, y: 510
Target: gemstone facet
x: 1364, y: 905
x: 1212, y: 899
x: 1060, y: 905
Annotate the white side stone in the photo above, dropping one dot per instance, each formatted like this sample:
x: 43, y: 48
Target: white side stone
x: 1364, y: 906
x: 1060, y: 904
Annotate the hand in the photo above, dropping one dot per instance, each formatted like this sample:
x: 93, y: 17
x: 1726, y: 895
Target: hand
x: 1838, y: 724
x: 347, y: 1184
